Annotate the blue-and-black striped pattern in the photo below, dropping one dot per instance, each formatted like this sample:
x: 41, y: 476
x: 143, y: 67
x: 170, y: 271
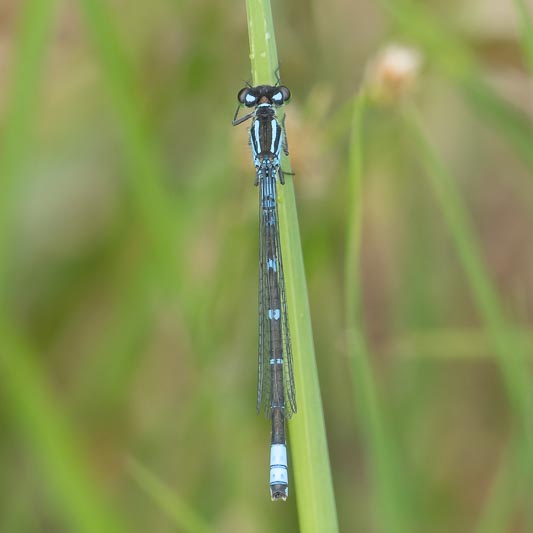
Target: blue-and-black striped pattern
x: 276, y: 393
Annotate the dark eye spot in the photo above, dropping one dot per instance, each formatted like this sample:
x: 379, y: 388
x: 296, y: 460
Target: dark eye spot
x: 246, y: 97
x: 285, y: 92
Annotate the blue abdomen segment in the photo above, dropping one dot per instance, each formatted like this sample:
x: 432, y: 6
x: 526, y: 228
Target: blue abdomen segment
x: 279, y: 477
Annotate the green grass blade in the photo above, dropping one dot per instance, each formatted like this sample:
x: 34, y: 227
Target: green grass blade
x: 446, y: 51
x: 390, y: 497
x: 146, y: 169
x: 23, y: 388
x: 509, y: 352
x: 49, y: 437
x: 355, y: 215
x: 308, y: 443
x: 443, y: 47
x: 31, y: 45
x: 501, y: 502
x: 181, y: 515
x: 526, y: 25
x: 514, y: 124
x: 116, y: 358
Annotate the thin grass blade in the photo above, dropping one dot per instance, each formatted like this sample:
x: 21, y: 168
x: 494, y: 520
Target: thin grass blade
x: 502, y: 498
x: 454, y: 59
x: 178, y: 511
x: 50, y: 438
x: 391, y: 511
x: 509, y: 351
x: 24, y: 387
x: 308, y: 442
x: 146, y: 167
x: 526, y: 26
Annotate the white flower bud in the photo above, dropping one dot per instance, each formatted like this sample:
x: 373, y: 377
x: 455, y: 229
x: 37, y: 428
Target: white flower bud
x: 393, y: 73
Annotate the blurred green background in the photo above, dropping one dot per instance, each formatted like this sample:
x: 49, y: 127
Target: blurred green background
x: 128, y: 263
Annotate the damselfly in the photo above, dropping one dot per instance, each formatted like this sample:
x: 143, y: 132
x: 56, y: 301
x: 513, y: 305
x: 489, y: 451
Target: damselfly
x: 275, y: 389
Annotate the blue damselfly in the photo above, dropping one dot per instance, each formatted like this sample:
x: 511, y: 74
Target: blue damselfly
x: 275, y: 389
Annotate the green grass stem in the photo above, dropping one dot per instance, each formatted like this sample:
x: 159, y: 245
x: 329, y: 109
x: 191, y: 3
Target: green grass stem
x: 108, y: 374
x: 36, y: 20
x: 526, y: 26
x: 50, y: 438
x: 502, y: 498
x: 390, y: 503
x: 308, y: 442
x: 448, y: 52
x: 24, y: 387
x: 179, y: 512
x: 509, y: 351
x: 145, y: 165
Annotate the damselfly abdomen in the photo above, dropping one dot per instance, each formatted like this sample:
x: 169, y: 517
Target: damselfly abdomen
x: 275, y: 390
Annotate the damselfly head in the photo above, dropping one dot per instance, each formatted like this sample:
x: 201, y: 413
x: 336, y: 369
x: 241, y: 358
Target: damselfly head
x: 264, y: 94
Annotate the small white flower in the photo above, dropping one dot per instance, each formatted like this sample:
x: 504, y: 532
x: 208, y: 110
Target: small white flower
x: 393, y: 72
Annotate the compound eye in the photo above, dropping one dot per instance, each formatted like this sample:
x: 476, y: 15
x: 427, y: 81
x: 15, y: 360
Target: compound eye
x: 285, y: 93
x: 246, y: 97
x: 277, y: 98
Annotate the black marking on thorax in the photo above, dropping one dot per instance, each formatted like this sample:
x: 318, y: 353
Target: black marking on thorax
x: 265, y: 133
